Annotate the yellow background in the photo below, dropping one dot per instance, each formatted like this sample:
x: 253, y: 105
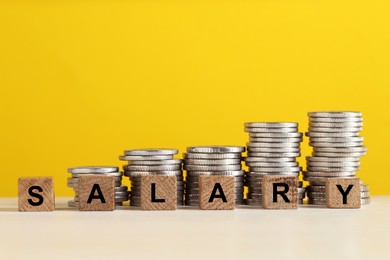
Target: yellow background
x: 83, y: 80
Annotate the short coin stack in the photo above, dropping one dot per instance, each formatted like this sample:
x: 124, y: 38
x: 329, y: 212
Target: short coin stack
x: 148, y: 162
x: 121, y: 192
x: 212, y: 160
x: 272, y: 150
x: 337, y: 148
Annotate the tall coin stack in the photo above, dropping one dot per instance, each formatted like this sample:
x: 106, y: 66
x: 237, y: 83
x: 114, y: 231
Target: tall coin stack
x: 337, y: 148
x: 272, y: 150
x: 212, y: 160
x: 148, y: 162
x: 121, y: 192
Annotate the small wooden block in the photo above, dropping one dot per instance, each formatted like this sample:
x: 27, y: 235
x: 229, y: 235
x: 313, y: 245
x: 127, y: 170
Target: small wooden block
x: 336, y: 187
x: 279, y: 192
x: 96, y: 192
x: 216, y: 192
x: 36, y: 194
x: 158, y: 192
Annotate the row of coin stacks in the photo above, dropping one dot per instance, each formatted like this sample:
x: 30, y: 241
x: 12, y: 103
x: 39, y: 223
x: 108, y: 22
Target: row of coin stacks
x: 273, y: 149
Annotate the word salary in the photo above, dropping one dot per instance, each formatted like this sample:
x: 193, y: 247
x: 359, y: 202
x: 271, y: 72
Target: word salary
x: 159, y: 192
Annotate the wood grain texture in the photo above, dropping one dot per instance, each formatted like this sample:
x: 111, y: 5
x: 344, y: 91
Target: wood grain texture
x: 334, y: 197
x: 268, y: 182
x: 43, y: 187
x: 165, y: 189
x: 207, y: 185
x: 88, y: 183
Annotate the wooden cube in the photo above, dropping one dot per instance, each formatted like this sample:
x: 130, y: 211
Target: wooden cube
x: 216, y: 192
x: 158, y: 192
x: 343, y: 193
x: 36, y: 194
x: 96, y: 192
x: 279, y: 192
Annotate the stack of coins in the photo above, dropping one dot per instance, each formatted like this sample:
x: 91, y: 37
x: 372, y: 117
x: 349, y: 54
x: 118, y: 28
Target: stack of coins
x: 212, y: 160
x: 121, y: 192
x: 148, y: 162
x: 337, y: 148
x: 272, y: 150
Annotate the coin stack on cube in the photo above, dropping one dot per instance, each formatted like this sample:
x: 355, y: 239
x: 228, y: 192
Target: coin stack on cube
x: 121, y: 192
x: 272, y: 150
x: 212, y: 160
x: 337, y: 148
x: 148, y: 162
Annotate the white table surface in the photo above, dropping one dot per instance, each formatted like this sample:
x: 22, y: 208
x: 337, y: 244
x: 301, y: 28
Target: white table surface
x: 251, y: 233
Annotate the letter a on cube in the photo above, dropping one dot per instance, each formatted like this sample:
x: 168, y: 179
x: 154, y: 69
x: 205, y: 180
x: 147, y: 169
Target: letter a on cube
x: 343, y: 193
x: 279, y: 192
x: 96, y: 192
x: 36, y: 194
x: 216, y: 192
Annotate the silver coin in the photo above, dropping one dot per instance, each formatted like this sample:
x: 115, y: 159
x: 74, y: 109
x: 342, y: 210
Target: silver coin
x: 151, y: 151
x: 364, y: 194
x: 143, y: 173
x: 268, y: 159
x: 335, y: 119
x: 116, y: 174
x: 336, y: 130
x: 228, y: 173
x: 216, y: 149
x: 156, y: 162
x: 336, y: 125
x: 73, y: 204
x: 271, y: 124
x: 333, y: 164
x: 212, y: 167
x: 317, y: 180
x: 271, y: 130
x: 122, y: 193
x: 253, y: 202
x: 275, y: 169
x: 336, y: 145
x: 137, y: 183
x: 192, y: 180
x: 272, y: 164
x: 121, y: 188
x: 365, y: 201
x: 273, y: 145
x: 332, y: 135
x: 72, y: 181
x: 336, y: 139
x: 325, y: 154
x: 93, y: 169
x: 332, y: 160
x: 337, y: 114
x: 311, y: 188
x: 273, y: 155
x: 275, y: 140
x: 332, y: 169
x: 275, y: 135
x: 316, y: 201
x: 212, y: 162
x: 361, y: 149
x: 195, y: 184
x: 261, y: 173
x: 212, y: 155
x: 145, y: 157
x: 329, y: 174
x: 121, y: 199
x: 152, y: 168
x: 273, y: 150
x: 364, y: 188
